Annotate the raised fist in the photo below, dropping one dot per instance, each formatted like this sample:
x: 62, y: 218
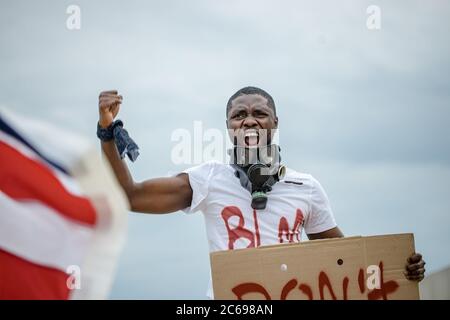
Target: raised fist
x: 108, y: 107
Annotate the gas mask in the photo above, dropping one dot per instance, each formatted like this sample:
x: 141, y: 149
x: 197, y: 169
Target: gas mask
x: 258, y: 169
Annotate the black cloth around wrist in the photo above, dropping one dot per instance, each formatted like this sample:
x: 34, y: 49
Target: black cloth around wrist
x: 125, y: 145
x: 106, y: 134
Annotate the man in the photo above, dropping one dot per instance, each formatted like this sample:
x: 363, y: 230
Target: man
x: 223, y: 192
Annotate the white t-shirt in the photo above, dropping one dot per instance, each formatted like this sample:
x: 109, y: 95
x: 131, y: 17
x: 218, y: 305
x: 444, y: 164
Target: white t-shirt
x: 297, y: 201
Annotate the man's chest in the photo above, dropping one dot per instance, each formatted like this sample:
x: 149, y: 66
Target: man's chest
x: 229, y: 210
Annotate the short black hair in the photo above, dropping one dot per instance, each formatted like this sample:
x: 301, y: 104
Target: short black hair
x: 252, y: 90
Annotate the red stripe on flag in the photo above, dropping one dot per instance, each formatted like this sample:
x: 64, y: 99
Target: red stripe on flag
x: 21, y: 279
x: 23, y: 178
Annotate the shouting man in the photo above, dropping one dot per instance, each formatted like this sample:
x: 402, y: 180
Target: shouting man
x: 246, y: 203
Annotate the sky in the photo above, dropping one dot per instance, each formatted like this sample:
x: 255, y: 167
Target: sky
x: 365, y: 111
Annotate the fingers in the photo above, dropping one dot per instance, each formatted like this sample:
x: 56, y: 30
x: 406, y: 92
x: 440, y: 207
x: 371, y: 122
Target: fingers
x: 109, y: 95
x: 109, y: 99
x: 108, y: 92
x: 417, y: 272
x: 415, y: 258
x: 415, y: 266
x: 109, y: 104
x: 415, y: 278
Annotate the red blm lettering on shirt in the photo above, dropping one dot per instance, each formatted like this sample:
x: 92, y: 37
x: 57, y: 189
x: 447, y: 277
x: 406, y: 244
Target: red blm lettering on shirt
x: 283, y: 228
x: 239, y: 231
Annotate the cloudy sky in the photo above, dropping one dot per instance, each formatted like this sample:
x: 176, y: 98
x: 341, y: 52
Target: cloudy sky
x: 365, y: 111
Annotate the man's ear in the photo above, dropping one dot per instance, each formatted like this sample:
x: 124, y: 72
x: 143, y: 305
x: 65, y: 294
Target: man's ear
x: 276, y: 122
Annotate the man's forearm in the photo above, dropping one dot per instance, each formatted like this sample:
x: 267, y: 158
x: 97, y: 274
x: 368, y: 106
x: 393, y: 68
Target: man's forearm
x: 332, y: 233
x: 119, y: 166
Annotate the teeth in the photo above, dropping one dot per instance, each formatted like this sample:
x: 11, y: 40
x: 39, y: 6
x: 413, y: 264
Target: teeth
x: 251, y: 134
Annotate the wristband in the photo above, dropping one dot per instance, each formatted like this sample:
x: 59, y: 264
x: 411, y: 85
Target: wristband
x: 125, y: 145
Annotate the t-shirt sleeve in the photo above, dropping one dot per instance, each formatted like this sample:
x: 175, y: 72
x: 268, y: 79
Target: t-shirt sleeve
x: 199, y: 177
x: 320, y: 217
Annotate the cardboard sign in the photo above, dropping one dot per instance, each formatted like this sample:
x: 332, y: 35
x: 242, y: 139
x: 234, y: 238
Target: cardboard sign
x: 346, y: 268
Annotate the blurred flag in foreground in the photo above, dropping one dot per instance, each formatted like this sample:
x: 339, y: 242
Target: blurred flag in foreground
x: 62, y: 214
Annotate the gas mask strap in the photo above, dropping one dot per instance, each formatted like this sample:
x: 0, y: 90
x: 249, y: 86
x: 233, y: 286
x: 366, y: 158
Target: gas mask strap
x: 242, y: 176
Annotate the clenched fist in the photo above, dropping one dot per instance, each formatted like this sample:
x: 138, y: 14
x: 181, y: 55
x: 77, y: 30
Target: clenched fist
x: 108, y: 107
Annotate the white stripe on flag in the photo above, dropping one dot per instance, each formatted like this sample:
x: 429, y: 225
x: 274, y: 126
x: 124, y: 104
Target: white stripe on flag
x: 41, y: 235
x: 58, y: 145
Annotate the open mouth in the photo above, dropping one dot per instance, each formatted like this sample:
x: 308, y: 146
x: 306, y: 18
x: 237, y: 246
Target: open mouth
x: 251, y: 138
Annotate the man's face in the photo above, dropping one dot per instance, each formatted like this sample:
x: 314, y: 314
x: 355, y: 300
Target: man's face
x: 251, y: 121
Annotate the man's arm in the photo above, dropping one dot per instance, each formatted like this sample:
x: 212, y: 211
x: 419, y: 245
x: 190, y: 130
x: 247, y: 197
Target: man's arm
x: 160, y: 195
x: 332, y: 233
